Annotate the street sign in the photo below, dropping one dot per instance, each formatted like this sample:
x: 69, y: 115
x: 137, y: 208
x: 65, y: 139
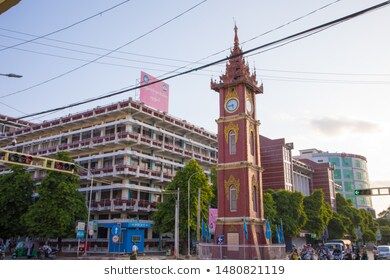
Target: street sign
x: 220, y: 239
x: 80, y: 226
x: 80, y: 234
x: 91, y: 232
x: 116, y: 229
x: 115, y: 239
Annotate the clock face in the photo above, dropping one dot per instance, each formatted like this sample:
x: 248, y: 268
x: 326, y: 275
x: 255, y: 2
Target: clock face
x: 249, y: 107
x: 231, y: 105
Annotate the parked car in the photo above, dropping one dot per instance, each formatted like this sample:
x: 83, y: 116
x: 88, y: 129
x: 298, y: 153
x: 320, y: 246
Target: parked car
x: 382, y: 252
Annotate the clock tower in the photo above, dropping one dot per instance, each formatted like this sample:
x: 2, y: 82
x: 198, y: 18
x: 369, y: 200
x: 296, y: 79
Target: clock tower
x: 240, y: 200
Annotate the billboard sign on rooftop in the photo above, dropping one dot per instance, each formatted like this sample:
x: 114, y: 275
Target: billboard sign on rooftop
x: 155, y: 95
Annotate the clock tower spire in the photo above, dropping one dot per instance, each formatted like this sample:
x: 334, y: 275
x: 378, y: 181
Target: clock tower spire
x: 240, y: 199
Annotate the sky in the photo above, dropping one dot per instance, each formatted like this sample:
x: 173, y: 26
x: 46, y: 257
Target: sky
x: 341, y: 107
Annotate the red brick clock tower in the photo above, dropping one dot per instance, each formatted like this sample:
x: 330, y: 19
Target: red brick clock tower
x: 240, y: 199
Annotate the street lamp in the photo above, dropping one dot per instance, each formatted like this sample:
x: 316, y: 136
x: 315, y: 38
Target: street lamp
x: 188, y: 214
x: 177, y: 205
x: 89, y: 214
x: 11, y: 75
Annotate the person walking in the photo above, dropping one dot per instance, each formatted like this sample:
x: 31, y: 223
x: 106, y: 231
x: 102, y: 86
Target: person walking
x: 134, y: 252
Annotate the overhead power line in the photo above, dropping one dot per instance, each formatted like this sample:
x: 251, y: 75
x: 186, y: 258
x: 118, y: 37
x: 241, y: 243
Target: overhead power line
x: 253, y: 38
x: 66, y: 27
x: 108, y: 53
x: 150, y: 56
x: 11, y: 107
x: 112, y: 51
x: 79, y: 51
x: 268, y: 46
x: 97, y: 62
x: 118, y: 51
x: 322, y: 73
x: 94, y: 47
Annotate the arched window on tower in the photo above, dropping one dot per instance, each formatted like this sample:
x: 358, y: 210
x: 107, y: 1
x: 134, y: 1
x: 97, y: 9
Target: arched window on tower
x: 233, y: 198
x: 232, y: 142
x: 254, y: 198
x: 252, y: 143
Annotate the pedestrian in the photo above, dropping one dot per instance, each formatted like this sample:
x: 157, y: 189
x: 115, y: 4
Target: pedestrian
x: 348, y: 253
x: 364, y: 253
x: 7, y: 245
x: 134, y: 252
x: 294, y: 255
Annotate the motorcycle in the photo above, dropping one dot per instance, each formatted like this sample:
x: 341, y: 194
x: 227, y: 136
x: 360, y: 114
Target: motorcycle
x: 46, y: 252
x: 306, y: 256
x: 338, y: 256
x: 2, y: 253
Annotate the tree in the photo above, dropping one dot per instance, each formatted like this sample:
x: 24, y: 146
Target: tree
x: 16, y: 189
x: 269, y: 207
x: 59, y: 207
x: 290, y: 210
x: 318, y: 213
x: 164, y: 217
x: 213, y: 179
x: 353, y: 217
x: 336, y: 226
x: 368, y: 225
x: 385, y: 213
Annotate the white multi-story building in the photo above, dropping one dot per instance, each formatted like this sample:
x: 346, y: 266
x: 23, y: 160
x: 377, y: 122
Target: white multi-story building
x: 9, y: 124
x: 131, y: 151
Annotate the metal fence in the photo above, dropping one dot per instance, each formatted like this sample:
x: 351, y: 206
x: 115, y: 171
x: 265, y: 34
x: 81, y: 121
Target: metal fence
x: 208, y: 251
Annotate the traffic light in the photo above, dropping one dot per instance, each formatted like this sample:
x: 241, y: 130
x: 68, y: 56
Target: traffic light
x: 18, y: 158
x: 363, y: 192
x: 64, y: 166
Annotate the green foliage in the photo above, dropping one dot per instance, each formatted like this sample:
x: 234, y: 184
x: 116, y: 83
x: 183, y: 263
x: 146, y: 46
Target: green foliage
x: 337, y: 226
x: 318, y: 212
x: 290, y: 210
x: 356, y: 218
x: 352, y: 216
x: 368, y: 225
x: 214, y: 179
x: 385, y: 213
x: 385, y: 232
x: 164, y: 217
x: 16, y: 189
x: 59, y: 207
x: 269, y: 208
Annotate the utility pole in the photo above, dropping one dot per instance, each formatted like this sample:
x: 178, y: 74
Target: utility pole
x: 198, y: 219
x: 89, y: 216
x: 177, y: 224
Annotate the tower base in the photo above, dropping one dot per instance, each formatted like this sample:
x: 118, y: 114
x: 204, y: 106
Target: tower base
x: 240, y: 243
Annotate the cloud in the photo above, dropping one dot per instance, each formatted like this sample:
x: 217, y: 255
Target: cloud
x: 331, y: 126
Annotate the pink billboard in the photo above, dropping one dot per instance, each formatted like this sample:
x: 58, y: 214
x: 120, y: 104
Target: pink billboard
x: 213, y: 215
x: 155, y: 95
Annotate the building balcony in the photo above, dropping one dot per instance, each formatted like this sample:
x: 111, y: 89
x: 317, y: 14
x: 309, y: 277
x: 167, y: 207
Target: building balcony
x: 132, y: 138
x: 133, y: 170
x: 118, y: 204
x: 109, y: 113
